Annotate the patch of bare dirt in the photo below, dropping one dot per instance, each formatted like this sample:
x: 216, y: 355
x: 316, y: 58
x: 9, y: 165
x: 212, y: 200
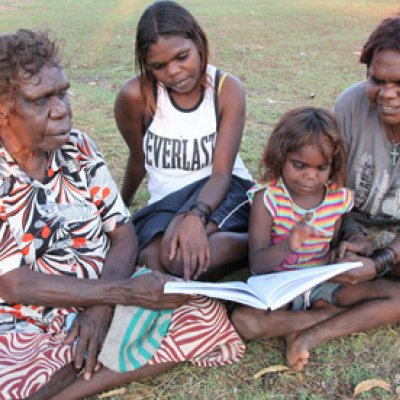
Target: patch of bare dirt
x: 7, y: 8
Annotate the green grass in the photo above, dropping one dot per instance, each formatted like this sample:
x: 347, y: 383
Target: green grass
x: 288, y: 53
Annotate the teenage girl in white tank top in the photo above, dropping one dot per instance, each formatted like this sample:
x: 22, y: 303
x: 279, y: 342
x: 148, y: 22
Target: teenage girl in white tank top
x: 172, y: 54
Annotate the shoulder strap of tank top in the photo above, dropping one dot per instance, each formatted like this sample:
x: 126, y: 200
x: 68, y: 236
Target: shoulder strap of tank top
x: 219, y: 80
x: 147, y: 123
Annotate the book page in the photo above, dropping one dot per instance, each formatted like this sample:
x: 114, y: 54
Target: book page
x: 236, y: 291
x: 280, y: 288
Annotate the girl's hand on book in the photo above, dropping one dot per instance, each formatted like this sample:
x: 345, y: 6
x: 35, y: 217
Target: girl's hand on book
x: 188, y: 242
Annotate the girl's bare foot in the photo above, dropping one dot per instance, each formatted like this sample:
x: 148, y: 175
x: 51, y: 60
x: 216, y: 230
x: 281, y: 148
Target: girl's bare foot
x: 297, y: 353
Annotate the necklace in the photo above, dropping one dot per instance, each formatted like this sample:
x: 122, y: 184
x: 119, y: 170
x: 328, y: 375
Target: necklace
x: 394, y: 153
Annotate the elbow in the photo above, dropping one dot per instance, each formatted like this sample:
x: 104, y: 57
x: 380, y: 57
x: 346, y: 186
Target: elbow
x: 253, y: 269
x: 18, y: 285
x: 260, y: 263
x: 11, y: 290
x: 256, y: 267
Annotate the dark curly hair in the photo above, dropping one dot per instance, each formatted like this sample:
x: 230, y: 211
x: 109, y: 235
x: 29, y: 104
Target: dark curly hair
x: 386, y: 36
x: 22, y: 55
x: 164, y: 18
x: 299, y: 127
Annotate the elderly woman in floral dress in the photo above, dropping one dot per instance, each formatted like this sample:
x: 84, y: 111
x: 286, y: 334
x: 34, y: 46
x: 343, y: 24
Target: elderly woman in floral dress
x: 68, y: 246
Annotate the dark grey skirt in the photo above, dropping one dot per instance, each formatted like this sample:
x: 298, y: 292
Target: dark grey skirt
x: 231, y: 215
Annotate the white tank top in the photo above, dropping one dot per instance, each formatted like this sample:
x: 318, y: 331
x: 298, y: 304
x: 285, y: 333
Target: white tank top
x: 179, y: 144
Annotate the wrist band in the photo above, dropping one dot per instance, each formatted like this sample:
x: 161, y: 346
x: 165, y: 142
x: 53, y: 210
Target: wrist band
x: 195, y: 213
x: 203, y: 210
x: 384, y: 260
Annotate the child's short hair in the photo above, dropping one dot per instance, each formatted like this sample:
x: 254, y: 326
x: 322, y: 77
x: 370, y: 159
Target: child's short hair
x: 166, y: 18
x: 296, y: 128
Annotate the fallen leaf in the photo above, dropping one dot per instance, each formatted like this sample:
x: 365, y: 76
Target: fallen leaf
x: 269, y: 370
x: 364, y: 386
x: 116, y: 392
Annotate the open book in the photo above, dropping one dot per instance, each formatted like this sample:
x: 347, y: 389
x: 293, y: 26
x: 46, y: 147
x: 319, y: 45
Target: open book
x: 269, y: 291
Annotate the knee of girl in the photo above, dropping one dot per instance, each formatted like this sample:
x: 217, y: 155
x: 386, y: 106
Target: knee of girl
x: 392, y: 290
x: 146, y: 258
x: 174, y: 267
x: 245, y: 324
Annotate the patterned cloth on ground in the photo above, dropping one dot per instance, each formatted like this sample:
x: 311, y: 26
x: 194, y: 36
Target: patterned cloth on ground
x: 135, y: 334
x: 199, y: 332
x: 29, y: 360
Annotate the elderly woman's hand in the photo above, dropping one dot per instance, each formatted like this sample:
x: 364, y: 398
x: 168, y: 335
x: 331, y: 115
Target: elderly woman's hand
x: 147, y: 291
x: 91, y: 325
x: 89, y: 329
x: 360, y: 246
x: 357, y: 275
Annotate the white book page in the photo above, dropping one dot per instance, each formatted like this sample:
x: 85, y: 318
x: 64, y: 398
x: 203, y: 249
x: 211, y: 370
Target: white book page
x: 280, y: 288
x: 233, y: 291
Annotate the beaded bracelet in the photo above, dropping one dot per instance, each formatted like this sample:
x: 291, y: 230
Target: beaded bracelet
x: 384, y: 260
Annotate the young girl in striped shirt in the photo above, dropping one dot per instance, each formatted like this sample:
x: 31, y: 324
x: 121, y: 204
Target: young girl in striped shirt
x: 296, y: 215
x: 294, y: 223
